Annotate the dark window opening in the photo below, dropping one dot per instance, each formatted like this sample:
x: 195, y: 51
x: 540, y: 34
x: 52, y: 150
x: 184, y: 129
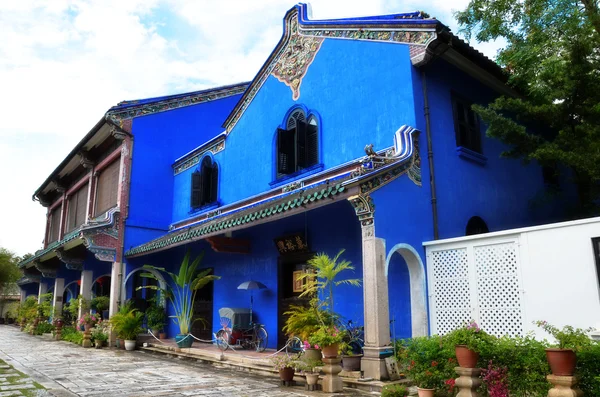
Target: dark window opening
x: 596, y: 244
x: 205, y: 184
x: 476, y: 225
x: 297, y: 145
x: 466, y: 125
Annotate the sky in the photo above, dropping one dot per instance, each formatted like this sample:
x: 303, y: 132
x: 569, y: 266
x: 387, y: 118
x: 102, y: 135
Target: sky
x: 64, y: 63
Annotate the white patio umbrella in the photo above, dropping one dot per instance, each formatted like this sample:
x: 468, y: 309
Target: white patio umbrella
x: 251, y: 285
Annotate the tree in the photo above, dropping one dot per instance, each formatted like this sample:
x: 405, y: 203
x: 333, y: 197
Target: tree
x: 552, y: 60
x: 9, y: 271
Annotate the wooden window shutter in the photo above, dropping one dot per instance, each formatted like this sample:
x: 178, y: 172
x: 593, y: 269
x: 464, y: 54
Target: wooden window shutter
x: 301, y: 129
x: 77, y: 209
x: 214, y: 182
x: 54, y: 224
x: 107, y: 188
x: 206, y: 180
x: 196, y: 190
x: 312, y: 145
x: 286, y: 154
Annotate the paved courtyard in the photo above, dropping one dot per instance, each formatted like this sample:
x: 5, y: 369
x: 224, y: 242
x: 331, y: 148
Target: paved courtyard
x: 69, y: 370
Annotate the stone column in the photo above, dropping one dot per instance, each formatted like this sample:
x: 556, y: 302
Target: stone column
x: 375, y: 292
x: 468, y: 381
x: 332, y: 383
x: 23, y: 294
x: 42, y: 290
x: 116, y: 275
x: 564, y: 386
x: 86, y: 289
x: 57, y: 302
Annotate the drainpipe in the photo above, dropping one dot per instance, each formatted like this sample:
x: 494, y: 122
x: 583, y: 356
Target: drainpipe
x: 436, y: 233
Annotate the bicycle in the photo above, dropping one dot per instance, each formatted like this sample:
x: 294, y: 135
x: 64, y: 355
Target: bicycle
x: 254, y: 337
x: 294, y: 345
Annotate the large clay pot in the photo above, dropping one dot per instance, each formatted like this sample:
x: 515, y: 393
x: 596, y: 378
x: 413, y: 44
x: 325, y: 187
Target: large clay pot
x: 312, y: 354
x: 312, y: 379
x: 184, y: 341
x: 425, y: 392
x: 466, y: 357
x: 287, y: 374
x: 162, y: 335
x: 129, y: 344
x: 87, y: 327
x: 330, y: 351
x: 351, y: 363
x: 562, y: 361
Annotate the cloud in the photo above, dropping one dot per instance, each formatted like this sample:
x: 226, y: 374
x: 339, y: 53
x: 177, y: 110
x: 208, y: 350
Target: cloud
x: 63, y: 63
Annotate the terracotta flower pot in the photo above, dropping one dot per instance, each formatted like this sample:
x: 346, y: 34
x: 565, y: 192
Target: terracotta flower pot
x: 351, y: 363
x: 87, y: 327
x: 466, y: 357
x: 330, y: 351
x: 312, y: 354
x: 162, y: 335
x: 287, y: 374
x: 312, y: 379
x: 425, y: 392
x: 562, y: 361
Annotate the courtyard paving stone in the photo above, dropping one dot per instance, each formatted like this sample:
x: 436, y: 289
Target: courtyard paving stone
x: 69, y: 370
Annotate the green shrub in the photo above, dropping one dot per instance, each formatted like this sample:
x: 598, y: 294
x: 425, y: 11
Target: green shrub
x: 394, y: 391
x: 588, y: 369
x: 43, y: 328
x: 70, y: 334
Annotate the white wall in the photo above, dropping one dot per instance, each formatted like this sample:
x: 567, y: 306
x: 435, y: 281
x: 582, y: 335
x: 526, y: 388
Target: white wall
x: 557, y: 269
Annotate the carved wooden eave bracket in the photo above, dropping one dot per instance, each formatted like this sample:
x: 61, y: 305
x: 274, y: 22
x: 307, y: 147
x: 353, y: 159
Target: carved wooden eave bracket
x: 101, y: 236
x: 71, y: 261
x: 32, y: 274
x: 48, y: 270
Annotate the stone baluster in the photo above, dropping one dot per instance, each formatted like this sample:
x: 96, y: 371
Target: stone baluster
x: 332, y: 383
x: 564, y: 386
x: 468, y: 381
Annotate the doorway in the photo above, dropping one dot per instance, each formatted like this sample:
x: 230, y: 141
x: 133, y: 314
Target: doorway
x: 203, y: 312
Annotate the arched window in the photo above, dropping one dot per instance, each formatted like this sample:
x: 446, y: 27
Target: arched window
x: 205, y: 183
x: 298, y: 144
x: 476, y: 225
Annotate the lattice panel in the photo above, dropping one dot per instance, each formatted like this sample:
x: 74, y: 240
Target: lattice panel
x: 498, y: 290
x: 451, y: 295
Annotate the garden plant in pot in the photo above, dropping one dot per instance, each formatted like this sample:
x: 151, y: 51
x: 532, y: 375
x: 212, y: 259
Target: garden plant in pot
x: 428, y: 379
x: 88, y: 321
x: 469, y: 340
x: 181, y: 292
x: 100, y: 334
x: 286, y: 365
x: 319, y: 285
x: 302, y: 322
x: 156, y: 318
x: 563, y: 357
x: 100, y: 305
x: 350, y: 358
x: 309, y: 368
x: 128, y: 324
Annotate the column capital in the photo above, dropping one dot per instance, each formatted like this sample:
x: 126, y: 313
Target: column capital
x: 364, y: 208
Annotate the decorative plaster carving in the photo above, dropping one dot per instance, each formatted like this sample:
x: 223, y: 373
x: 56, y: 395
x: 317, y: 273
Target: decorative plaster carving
x: 292, y: 186
x: 47, y: 270
x: 297, y: 55
x: 364, y: 208
x: 117, y: 134
x: 195, y: 159
x: 72, y: 262
x: 85, y: 161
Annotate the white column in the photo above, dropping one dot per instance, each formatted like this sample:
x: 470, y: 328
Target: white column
x: 42, y: 290
x: 116, y: 276
x: 86, y: 288
x: 57, y: 303
x: 23, y: 294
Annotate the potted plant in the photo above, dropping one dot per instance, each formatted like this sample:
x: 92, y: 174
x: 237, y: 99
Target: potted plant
x: 311, y: 352
x: 330, y: 338
x: 128, y: 324
x: 309, y: 369
x: 350, y: 358
x: 428, y: 379
x: 562, y: 359
x: 99, y: 334
x: 468, y: 341
x: 100, y: 305
x: 156, y: 319
x: 88, y: 320
x: 286, y: 365
x: 181, y: 292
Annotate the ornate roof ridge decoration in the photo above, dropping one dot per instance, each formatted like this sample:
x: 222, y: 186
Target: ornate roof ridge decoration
x: 119, y: 114
x: 357, y: 176
x: 189, y: 160
x: 302, y: 39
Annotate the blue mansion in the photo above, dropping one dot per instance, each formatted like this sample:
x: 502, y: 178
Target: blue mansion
x: 355, y: 134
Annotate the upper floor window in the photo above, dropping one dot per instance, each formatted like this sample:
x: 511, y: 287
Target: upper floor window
x: 298, y: 143
x: 205, y: 183
x: 54, y: 231
x: 77, y: 208
x: 466, y: 125
x: 107, y: 188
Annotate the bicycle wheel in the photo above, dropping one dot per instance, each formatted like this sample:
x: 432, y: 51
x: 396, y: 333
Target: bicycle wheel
x: 293, y: 345
x: 223, y: 339
x: 260, y: 339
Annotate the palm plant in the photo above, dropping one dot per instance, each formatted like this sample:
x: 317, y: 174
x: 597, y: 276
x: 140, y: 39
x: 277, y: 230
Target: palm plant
x: 324, y: 278
x: 182, y: 289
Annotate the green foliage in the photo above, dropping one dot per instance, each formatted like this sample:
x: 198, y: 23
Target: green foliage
x: 43, y: 328
x: 429, y: 361
x: 327, y: 336
x: 127, y: 322
x: 470, y: 335
x: 568, y: 337
x: 182, y: 289
x: 9, y: 271
x: 45, y: 308
x: 282, y: 361
x: 70, y: 334
x: 551, y: 57
x: 156, y: 317
x: 309, y: 365
x: 100, y: 332
x: 28, y: 310
x: 12, y: 310
x: 394, y: 391
x: 100, y: 303
x: 588, y: 368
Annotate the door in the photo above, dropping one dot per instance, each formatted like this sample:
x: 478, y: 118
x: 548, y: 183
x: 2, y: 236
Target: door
x: 289, y: 289
x: 203, y: 312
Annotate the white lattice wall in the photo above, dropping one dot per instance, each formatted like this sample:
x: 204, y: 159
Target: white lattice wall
x: 479, y: 282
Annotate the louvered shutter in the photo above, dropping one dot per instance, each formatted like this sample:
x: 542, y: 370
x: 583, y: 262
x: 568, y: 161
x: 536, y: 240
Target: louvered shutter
x: 54, y: 224
x: 107, y: 188
x: 312, y: 145
x: 214, y: 183
x: 77, y: 209
x: 196, y: 190
x: 206, y: 180
x: 286, y: 154
x: 301, y: 129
